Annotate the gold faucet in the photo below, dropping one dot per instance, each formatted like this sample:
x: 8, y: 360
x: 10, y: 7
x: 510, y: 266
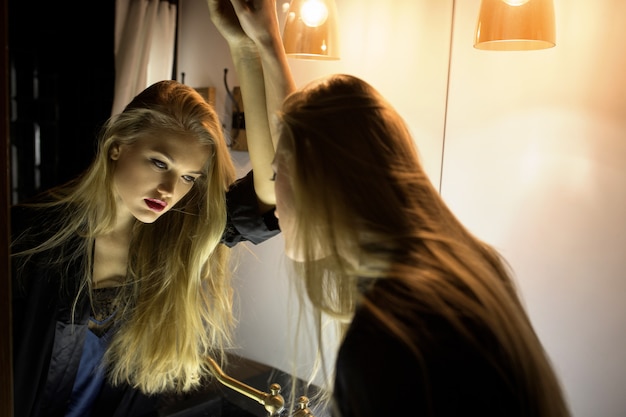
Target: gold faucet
x: 273, y: 402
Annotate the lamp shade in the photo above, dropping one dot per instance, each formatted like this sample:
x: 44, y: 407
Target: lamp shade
x: 515, y: 25
x: 311, y: 30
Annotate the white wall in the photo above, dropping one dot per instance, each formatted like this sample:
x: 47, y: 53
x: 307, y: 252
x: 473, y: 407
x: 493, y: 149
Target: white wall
x: 534, y: 162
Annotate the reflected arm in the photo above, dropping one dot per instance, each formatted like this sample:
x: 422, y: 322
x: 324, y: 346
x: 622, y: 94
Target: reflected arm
x: 249, y: 71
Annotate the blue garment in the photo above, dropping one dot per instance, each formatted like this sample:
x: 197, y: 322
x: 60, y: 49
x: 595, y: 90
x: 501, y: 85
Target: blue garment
x: 90, y: 375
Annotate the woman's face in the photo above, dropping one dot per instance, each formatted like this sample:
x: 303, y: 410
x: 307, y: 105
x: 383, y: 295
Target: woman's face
x: 152, y: 174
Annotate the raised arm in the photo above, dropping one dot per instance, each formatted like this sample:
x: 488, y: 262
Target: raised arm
x: 259, y: 21
x: 249, y: 70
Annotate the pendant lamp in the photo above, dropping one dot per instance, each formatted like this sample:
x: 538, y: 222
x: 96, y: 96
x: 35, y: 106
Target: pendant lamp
x: 515, y: 25
x: 311, y: 31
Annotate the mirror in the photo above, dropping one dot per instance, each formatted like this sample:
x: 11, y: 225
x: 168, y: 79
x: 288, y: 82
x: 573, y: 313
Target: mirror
x: 85, y: 76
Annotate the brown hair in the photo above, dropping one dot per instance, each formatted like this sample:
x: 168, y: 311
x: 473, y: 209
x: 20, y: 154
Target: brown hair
x: 361, y: 193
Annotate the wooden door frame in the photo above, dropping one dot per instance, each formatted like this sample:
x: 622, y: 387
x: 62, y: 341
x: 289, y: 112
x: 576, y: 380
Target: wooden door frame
x: 6, y: 357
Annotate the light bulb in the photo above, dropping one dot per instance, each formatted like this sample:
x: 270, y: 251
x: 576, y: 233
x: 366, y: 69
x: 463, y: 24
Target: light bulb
x: 314, y: 13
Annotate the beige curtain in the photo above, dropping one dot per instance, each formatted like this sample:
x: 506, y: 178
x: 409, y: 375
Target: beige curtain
x: 145, y: 35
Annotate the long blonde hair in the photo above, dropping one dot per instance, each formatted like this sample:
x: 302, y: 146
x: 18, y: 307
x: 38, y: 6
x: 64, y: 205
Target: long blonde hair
x: 175, y: 306
x: 361, y: 193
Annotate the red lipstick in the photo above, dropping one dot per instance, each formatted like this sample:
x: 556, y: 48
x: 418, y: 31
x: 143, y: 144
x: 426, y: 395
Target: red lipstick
x: 155, y: 205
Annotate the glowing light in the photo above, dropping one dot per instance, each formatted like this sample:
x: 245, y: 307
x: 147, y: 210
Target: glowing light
x: 314, y: 13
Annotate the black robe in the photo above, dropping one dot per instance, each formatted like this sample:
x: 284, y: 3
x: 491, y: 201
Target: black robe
x: 377, y: 374
x: 47, y: 345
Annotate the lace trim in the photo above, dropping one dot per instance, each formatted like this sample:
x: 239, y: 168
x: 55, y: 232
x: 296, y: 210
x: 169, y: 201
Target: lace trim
x: 104, y: 307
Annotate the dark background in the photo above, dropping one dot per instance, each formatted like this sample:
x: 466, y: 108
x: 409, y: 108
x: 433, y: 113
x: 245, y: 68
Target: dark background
x: 58, y: 77
x: 62, y: 77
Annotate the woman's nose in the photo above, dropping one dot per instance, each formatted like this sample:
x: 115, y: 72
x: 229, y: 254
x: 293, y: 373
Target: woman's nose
x: 167, y: 187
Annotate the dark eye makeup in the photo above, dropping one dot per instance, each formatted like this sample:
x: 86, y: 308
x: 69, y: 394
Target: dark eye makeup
x: 162, y: 165
x: 159, y: 164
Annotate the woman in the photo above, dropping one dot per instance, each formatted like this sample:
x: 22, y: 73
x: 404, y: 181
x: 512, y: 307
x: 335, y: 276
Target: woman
x: 431, y: 323
x: 436, y: 325
x: 121, y: 282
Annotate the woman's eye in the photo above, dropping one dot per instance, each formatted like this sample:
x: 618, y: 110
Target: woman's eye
x: 189, y: 179
x: 159, y: 164
x: 273, y: 177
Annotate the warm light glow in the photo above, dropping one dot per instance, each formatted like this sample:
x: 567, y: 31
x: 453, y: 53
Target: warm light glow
x: 314, y: 13
x: 515, y: 2
x: 515, y: 25
x: 311, y: 30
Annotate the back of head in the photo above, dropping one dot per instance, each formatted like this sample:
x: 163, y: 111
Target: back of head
x: 354, y: 163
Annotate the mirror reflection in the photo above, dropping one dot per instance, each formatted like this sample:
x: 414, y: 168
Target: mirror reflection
x: 102, y: 324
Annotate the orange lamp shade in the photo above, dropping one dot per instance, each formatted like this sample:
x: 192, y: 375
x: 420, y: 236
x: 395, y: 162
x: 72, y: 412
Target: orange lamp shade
x: 515, y: 25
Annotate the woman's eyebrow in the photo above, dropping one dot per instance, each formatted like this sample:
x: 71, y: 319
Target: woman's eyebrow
x: 166, y: 154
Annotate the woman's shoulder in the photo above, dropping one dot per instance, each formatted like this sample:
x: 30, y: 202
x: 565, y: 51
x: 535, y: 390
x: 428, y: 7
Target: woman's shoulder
x: 375, y: 370
x: 393, y: 322
x: 426, y: 357
x: 396, y: 336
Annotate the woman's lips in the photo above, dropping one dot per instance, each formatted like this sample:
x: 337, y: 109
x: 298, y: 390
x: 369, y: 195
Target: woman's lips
x: 155, y: 205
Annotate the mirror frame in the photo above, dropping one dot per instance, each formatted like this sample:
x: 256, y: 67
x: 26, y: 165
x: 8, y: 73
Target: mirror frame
x: 6, y: 350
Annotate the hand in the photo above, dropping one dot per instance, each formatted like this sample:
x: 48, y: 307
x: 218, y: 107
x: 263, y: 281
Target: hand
x: 225, y: 20
x: 258, y: 19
